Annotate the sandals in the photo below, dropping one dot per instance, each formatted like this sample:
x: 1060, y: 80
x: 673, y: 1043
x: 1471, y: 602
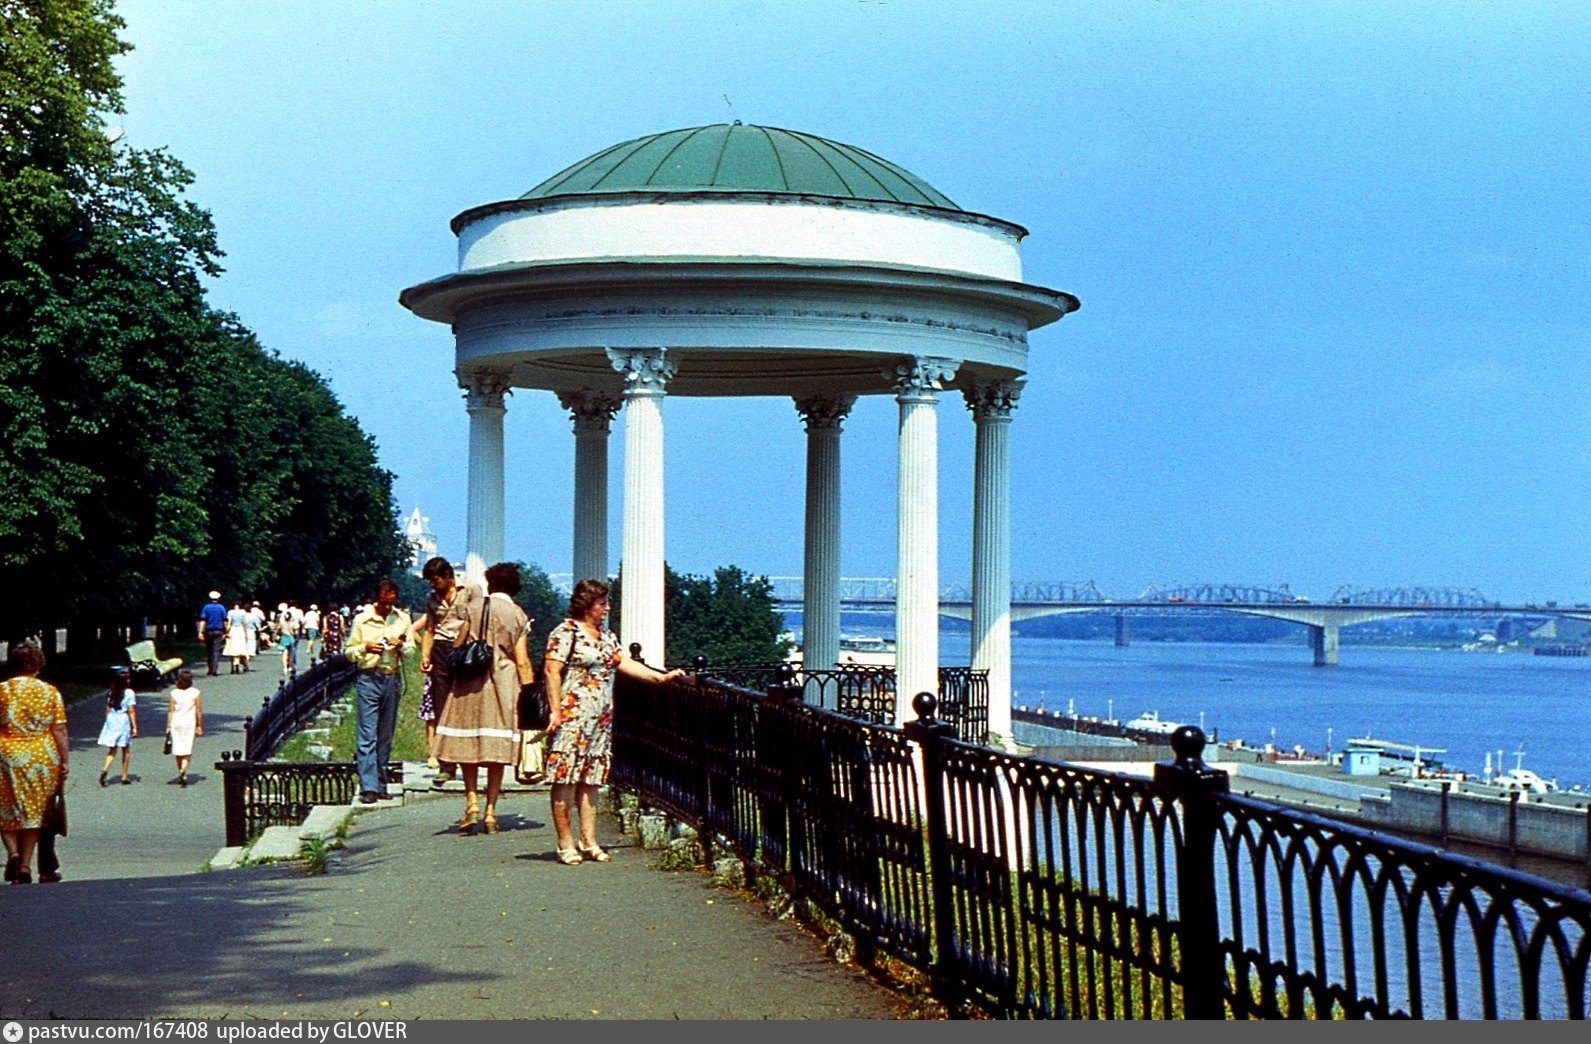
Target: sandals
x: 595, y: 853
x: 489, y: 823
x: 472, y: 816
x: 569, y: 856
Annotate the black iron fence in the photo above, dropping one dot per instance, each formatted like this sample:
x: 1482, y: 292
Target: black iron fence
x: 260, y: 794
x: 294, y: 703
x: 257, y: 792
x: 1031, y: 888
x: 867, y: 692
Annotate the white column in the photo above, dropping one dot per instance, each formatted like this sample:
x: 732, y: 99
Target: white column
x: 917, y: 385
x: 646, y: 376
x: 991, y: 403
x: 820, y: 607
x: 483, y: 529
x: 593, y: 415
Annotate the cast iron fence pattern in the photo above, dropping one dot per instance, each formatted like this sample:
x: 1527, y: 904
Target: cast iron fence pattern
x: 260, y: 794
x: 1036, y: 889
x: 867, y: 692
x: 257, y: 792
x: 294, y: 703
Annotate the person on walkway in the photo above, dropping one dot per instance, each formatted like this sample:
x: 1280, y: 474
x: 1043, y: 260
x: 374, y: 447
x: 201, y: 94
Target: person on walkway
x: 289, y: 624
x: 332, y: 629
x: 476, y: 726
x: 212, y: 627
x: 184, y: 720
x: 449, y: 608
x: 254, y: 622
x: 582, y: 658
x: 121, y: 724
x: 33, y: 761
x: 376, y: 645
x: 236, y: 644
x: 312, y: 632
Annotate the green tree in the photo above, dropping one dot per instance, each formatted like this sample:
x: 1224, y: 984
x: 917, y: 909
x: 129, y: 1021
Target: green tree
x: 545, y: 606
x: 154, y: 449
x: 729, y: 618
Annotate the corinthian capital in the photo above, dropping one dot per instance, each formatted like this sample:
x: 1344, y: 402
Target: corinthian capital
x: 592, y: 410
x: 994, y: 399
x: 645, y: 370
x: 825, y: 411
x: 920, y: 378
x: 483, y: 389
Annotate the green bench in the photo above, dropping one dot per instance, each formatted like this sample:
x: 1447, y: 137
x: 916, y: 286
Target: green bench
x: 148, y: 667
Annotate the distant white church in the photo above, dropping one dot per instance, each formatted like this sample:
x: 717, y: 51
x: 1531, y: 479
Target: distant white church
x: 421, y: 540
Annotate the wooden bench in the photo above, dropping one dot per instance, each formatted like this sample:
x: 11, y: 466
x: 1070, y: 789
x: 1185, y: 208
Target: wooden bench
x: 148, y: 667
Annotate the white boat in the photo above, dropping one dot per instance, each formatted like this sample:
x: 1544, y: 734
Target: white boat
x: 1523, y: 779
x: 1149, y: 721
x: 861, y: 650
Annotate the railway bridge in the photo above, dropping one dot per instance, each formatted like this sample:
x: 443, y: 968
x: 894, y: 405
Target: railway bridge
x: 1325, y: 619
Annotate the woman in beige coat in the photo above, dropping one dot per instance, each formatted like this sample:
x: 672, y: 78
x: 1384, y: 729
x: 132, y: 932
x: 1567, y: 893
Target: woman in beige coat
x: 477, y: 723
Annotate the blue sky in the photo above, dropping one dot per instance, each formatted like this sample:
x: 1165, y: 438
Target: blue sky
x: 1331, y: 258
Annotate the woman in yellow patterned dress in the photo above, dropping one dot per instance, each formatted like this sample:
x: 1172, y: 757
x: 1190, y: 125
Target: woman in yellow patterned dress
x: 33, y: 756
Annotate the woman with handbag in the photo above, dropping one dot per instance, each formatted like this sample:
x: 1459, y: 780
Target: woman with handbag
x: 184, y: 721
x: 583, y: 657
x: 476, y: 726
x: 446, y: 625
x: 33, y: 759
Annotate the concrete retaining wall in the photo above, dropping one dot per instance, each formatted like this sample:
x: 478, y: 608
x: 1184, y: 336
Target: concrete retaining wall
x: 1539, y: 829
x: 1308, y: 784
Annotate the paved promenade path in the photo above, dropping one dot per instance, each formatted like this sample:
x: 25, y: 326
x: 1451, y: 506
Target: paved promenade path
x: 154, y: 827
x: 411, y: 921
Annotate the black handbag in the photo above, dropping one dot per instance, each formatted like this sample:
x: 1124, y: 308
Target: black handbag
x: 168, y: 743
x: 54, y: 818
x: 473, y: 658
x: 534, y: 710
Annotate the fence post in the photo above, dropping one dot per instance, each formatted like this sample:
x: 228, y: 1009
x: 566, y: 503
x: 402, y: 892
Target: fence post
x: 1191, y: 783
x: 635, y: 653
x: 232, y: 800
x: 704, y: 779
x: 929, y: 733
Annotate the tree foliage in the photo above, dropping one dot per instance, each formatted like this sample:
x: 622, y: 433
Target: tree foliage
x: 153, y: 448
x: 543, y: 604
x: 728, y: 617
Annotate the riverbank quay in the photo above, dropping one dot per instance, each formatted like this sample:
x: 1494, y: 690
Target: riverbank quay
x: 413, y: 921
x: 1548, y: 835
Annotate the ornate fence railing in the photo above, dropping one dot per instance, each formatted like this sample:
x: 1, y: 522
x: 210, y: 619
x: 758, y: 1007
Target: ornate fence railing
x: 293, y: 704
x: 867, y: 692
x: 257, y: 792
x: 1036, y: 889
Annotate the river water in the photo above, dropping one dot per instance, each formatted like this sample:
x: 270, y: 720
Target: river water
x: 1469, y: 704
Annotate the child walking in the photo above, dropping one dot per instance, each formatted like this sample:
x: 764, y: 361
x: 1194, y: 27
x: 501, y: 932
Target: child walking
x: 121, y: 723
x: 184, y: 720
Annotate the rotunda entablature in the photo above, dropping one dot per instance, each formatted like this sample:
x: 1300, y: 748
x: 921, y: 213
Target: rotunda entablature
x: 749, y: 225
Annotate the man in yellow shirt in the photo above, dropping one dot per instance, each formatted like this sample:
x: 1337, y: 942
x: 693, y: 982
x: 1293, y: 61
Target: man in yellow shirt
x: 376, y: 645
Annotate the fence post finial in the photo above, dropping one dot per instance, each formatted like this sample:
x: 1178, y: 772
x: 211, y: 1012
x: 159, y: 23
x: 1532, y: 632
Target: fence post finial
x: 1193, y: 785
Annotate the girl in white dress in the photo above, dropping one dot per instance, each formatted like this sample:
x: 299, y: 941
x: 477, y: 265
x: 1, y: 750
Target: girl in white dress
x: 184, y: 720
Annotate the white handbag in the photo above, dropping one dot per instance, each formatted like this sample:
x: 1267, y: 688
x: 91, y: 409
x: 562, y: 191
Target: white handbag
x: 530, y: 766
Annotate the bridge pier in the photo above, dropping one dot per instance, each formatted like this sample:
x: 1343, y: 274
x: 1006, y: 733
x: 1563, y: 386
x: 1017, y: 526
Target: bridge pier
x: 1323, y: 642
x: 1122, y: 631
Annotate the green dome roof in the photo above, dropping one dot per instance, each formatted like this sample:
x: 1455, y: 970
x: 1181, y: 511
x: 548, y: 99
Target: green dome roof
x: 738, y: 158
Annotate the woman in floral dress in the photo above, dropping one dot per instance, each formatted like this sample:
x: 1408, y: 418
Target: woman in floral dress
x: 582, y: 658
x: 33, y: 757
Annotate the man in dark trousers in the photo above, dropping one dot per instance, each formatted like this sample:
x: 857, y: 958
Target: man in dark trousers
x: 212, y: 626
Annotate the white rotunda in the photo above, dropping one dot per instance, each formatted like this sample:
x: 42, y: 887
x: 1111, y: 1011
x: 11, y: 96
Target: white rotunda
x: 745, y: 260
